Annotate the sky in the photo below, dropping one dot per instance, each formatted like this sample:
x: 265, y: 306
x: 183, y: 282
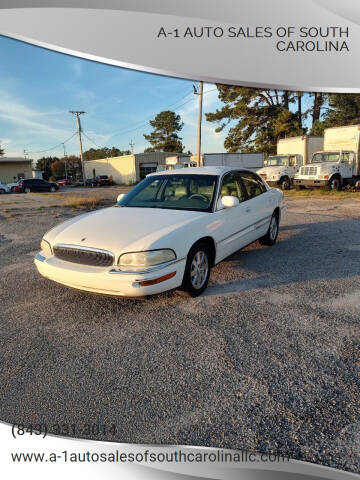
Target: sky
x: 38, y: 87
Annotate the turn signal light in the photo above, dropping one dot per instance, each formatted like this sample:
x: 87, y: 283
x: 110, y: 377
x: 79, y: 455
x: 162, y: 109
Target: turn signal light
x: 326, y: 177
x: 147, y: 283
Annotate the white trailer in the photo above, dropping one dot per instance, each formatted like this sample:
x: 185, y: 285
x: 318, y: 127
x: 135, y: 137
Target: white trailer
x: 292, y: 153
x: 252, y: 161
x: 337, y: 165
x: 176, y: 161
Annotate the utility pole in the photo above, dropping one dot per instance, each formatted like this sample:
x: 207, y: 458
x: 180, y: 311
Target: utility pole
x: 132, y: 145
x: 63, y: 144
x: 25, y: 153
x: 77, y: 113
x: 200, y: 93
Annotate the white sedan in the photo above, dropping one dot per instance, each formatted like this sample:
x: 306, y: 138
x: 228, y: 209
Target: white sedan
x: 166, y: 233
x: 4, y: 188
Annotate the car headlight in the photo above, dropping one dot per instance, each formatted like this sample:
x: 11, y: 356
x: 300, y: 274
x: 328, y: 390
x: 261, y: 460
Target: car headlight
x: 137, y: 261
x: 46, y: 247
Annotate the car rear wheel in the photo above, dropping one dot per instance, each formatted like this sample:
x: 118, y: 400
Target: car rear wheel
x: 2, y: 191
x: 197, y: 270
x: 27, y: 190
x: 52, y: 189
x: 273, y: 231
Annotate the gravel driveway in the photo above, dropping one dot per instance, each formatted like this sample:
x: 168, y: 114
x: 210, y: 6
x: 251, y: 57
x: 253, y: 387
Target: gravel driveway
x: 267, y: 359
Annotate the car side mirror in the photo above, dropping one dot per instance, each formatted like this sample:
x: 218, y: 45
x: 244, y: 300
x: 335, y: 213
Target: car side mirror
x: 228, y: 201
x: 120, y: 197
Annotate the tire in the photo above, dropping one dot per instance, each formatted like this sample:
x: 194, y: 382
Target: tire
x: 285, y: 183
x: 27, y: 190
x: 52, y: 189
x: 357, y: 184
x: 335, y: 183
x: 196, y: 280
x: 271, y: 235
x: 2, y: 191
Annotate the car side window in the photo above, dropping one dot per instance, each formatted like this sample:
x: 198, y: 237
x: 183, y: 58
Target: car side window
x: 231, y: 185
x: 253, y: 184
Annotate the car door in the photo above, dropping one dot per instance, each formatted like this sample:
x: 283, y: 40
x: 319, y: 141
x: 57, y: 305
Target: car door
x: 346, y: 164
x: 233, y: 224
x: 259, y: 202
x: 34, y: 185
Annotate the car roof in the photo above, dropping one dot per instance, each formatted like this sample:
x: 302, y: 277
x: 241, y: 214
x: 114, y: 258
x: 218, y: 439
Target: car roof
x: 199, y: 171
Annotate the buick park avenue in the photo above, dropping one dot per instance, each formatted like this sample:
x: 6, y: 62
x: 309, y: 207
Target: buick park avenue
x: 166, y: 233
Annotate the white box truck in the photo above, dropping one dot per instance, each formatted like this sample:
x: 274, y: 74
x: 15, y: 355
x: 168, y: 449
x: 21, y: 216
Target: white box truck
x: 252, y: 161
x: 337, y: 165
x: 292, y: 153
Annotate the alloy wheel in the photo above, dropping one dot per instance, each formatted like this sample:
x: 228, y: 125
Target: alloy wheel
x: 273, y: 228
x: 199, y: 269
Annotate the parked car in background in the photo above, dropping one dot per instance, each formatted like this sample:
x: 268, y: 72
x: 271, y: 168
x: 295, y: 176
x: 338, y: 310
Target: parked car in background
x: 37, y: 185
x: 63, y: 182
x: 13, y: 185
x: 165, y: 233
x: 99, y: 181
x: 4, y: 188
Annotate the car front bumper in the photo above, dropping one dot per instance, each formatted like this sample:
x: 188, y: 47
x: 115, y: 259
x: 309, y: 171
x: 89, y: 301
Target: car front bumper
x: 109, y: 280
x: 310, y: 183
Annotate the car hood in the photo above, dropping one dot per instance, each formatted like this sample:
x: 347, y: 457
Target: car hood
x: 120, y: 229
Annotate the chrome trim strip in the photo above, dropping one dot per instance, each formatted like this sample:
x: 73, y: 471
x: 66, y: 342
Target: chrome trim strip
x: 256, y: 225
x: 39, y: 257
x: 155, y: 268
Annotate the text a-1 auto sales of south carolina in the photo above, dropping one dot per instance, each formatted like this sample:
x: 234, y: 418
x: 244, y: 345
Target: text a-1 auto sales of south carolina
x: 290, y: 38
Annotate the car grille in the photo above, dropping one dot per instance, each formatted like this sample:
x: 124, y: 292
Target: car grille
x: 84, y: 256
x: 308, y: 170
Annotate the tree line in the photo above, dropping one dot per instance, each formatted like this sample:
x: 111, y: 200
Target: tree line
x: 255, y: 119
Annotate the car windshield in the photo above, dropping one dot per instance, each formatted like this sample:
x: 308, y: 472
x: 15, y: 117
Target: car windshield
x: 325, y: 157
x: 174, y: 192
x: 277, y: 161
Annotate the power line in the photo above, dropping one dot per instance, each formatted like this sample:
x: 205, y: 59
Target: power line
x: 137, y: 126
x: 91, y: 140
x: 56, y: 146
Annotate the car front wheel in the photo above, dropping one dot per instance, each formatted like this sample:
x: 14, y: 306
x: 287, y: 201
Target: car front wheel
x: 2, y: 191
x: 272, y: 233
x: 197, y: 270
x: 285, y: 183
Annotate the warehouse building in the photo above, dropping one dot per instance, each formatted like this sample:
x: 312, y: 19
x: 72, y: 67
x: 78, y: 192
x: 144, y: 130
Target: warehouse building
x: 13, y: 169
x: 127, y: 169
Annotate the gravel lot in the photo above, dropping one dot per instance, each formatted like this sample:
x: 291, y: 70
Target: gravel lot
x: 267, y: 359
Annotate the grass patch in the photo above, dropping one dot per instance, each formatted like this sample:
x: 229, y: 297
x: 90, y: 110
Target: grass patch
x: 82, y: 202
x: 322, y: 193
